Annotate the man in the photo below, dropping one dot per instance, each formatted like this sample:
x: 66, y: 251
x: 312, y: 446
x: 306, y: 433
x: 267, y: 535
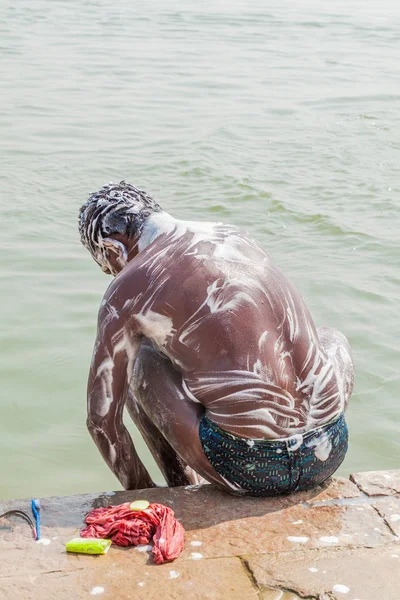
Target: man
x: 213, y: 352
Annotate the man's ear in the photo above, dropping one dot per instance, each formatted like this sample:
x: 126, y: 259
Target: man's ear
x: 117, y: 248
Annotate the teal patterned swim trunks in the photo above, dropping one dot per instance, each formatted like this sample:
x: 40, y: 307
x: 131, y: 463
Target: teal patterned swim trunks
x: 275, y: 467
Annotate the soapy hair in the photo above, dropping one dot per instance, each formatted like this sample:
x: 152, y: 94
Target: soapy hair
x: 115, y: 208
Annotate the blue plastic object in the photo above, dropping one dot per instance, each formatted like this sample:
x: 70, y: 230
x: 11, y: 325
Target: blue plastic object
x: 36, y: 513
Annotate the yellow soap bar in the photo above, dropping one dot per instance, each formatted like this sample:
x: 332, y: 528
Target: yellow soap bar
x: 139, y: 505
x: 88, y: 546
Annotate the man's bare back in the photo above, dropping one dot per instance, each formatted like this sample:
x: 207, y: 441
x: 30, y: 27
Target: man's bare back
x: 199, y: 321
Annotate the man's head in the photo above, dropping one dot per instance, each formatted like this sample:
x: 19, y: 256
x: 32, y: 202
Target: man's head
x: 111, y: 221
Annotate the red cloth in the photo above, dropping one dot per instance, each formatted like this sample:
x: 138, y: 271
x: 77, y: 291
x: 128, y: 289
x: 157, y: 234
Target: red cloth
x: 127, y: 527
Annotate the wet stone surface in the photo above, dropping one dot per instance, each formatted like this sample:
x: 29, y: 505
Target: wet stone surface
x: 389, y: 509
x: 271, y: 594
x: 348, y: 573
x: 292, y: 528
x: 339, y: 488
x: 378, y: 483
x: 334, y: 542
x: 217, y: 579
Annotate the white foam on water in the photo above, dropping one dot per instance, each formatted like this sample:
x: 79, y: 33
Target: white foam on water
x: 329, y: 539
x: 173, y: 574
x: 97, y: 590
x: 339, y: 588
x: 144, y: 548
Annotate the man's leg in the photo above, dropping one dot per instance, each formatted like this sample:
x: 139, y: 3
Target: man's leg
x: 168, y: 419
x: 171, y: 466
x: 337, y: 347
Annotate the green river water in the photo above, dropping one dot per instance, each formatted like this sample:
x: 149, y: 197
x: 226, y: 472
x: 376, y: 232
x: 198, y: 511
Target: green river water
x: 281, y: 117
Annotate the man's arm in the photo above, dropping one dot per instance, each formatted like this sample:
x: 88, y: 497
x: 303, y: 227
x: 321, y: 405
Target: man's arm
x: 110, y: 373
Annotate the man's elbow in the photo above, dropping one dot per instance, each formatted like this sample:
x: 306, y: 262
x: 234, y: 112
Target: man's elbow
x: 100, y: 427
x: 94, y: 423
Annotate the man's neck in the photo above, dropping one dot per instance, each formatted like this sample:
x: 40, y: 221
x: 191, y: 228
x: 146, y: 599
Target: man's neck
x: 157, y: 224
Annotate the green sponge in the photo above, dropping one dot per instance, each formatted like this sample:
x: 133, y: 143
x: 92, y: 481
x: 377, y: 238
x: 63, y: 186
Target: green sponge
x: 88, y: 546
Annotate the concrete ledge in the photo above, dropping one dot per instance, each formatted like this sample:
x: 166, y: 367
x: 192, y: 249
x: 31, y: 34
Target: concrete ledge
x: 338, y: 541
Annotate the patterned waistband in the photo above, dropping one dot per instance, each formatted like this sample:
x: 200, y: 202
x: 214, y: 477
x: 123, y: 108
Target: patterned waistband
x: 337, y: 422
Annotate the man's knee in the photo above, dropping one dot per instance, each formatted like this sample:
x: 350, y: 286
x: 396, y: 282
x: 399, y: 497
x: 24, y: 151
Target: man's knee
x: 331, y: 336
x: 93, y: 424
x: 144, y: 361
x: 334, y: 341
x: 337, y: 347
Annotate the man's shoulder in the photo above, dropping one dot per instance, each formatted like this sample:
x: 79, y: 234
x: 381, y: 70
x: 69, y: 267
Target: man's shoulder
x: 129, y: 283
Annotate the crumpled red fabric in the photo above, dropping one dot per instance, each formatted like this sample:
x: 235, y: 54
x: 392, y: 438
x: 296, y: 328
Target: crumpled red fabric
x: 127, y: 527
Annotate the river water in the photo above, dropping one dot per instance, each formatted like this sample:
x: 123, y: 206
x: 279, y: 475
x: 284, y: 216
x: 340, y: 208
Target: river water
x: 281, y: 117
